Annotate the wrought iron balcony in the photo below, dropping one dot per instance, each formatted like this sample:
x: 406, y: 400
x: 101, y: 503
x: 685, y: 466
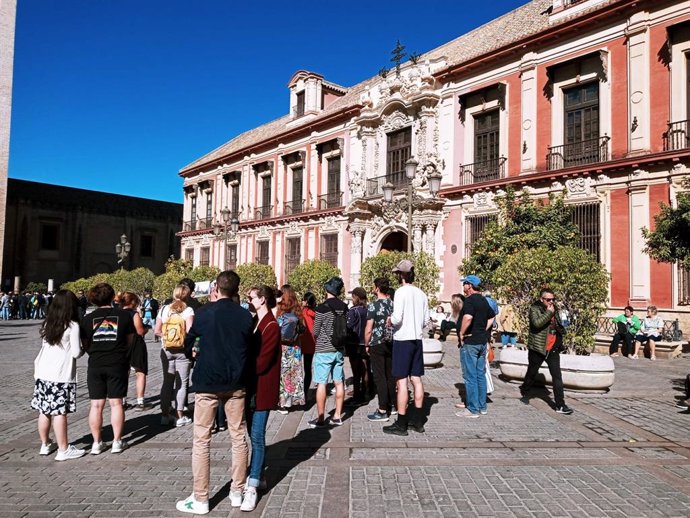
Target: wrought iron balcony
x: 264, y: 212
x: 197, y: 224
x: 375, y: 185
x: 329, y: 201
x: 677, y: 136
x: 580, y: 153
x: 293, y: 207
x: 483, y: 171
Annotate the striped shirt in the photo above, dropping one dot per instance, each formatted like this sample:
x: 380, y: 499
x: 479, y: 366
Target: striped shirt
x: 323, y: 324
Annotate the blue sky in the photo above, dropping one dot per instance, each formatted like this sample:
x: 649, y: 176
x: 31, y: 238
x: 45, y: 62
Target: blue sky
x: 118, y: 96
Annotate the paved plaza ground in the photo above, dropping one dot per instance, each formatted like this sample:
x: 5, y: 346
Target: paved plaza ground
x: 621, y: 454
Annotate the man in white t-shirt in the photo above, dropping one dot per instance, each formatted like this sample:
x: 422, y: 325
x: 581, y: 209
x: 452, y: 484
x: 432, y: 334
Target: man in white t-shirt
x: 410, y: 317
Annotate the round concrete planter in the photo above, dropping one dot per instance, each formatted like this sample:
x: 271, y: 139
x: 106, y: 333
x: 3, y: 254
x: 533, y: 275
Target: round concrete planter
x: 593, y: 373
x: 433, y: 352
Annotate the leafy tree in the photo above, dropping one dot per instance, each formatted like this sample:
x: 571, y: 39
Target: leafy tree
x: 578, y: 280
x: 425, y: 268
x: 36, y: 286
x: 669, y: 242
x: 311, y: 276
x: 522, y: 224
x: 253, y: 274
x: 136, y: 280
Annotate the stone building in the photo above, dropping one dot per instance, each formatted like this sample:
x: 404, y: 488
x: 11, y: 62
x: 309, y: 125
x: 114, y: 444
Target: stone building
x: 62, y: 233
x: 589, y: 97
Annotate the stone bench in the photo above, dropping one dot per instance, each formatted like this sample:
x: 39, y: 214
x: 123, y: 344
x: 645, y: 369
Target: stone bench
x: 670, y: 346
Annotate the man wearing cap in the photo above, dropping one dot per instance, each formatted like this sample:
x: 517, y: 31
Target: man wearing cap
x: 476, y: 319
x: 410, y: 317
x: 328, y: 362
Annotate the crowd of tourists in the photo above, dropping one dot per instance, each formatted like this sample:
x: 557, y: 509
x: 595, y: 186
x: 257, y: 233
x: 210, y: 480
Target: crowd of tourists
x: 260, y: 351
x: 24, y: 305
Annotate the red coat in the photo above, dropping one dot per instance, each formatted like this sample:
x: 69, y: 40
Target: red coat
x: 307, y: 338
x: 267, y: 358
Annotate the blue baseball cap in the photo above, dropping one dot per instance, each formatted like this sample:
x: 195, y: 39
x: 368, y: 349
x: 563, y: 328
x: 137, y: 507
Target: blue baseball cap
x: 472, y: 279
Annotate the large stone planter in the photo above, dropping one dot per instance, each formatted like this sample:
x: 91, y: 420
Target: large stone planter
x: 593, y: 373
x: 433, y: 352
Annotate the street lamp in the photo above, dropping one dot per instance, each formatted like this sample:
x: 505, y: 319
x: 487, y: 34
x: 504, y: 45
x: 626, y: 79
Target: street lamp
x: 434, y: 180
x: 122, y: 249
x: 232, y: 228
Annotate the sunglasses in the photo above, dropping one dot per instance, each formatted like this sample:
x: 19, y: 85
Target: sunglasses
x: 548, y: 300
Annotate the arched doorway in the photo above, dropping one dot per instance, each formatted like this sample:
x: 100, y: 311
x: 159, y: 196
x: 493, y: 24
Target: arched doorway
x: 395, y: 242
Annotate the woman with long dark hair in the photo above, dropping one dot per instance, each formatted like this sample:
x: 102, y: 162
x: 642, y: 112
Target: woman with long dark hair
x: 139, y: 357
x: 55, y: 371
x: 291, y: 370
x: 308, y: 343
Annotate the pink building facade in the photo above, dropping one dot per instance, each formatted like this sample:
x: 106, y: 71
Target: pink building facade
x: 586, y: 97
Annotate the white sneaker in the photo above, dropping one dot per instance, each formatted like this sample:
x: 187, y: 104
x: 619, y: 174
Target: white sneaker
x: 192, y: 505
x: 235, y: 498
x: 97, y: 448
x: 249, y: 500
x: 70, y: 453
x: 48, y: 448
x: 183, y: 421
x: 118, y: 446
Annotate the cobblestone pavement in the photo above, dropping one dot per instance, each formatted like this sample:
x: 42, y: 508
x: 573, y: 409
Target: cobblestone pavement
x: 625, y: 453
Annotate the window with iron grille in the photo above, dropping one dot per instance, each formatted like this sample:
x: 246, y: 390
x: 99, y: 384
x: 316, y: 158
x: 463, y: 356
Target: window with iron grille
x: 581, y: 124
x: 189, y: 254
x: 399, y: 151
x: 486, y: 136
x: 205, y: 256
x: 683, y: 286
x: 209, y: 206
x: 586, y: 217
x: 474, y: 228
x: 232, y: 257
x: 262, y: 252
x: 293, y: 256
x: 329, y: 248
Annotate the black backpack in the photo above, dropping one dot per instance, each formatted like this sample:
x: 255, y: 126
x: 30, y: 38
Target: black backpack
x: 339, y: 338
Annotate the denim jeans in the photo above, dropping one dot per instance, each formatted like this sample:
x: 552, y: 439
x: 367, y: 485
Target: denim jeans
x: 256, y: 424
x: 473, y: 361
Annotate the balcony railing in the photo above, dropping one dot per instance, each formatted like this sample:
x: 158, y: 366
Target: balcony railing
x: 293, y: 207
x: 329, y: 201
x: 375, y: 185
x: 677, y: 136
x: 483, y: 171
x: 263, y: 212
x: 578, y: 153
x: 197, y: 224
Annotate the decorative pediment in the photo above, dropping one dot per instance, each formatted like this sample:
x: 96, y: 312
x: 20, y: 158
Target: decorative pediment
x: 395, y: 121
x: 293, y: 229
x: 580, y: 187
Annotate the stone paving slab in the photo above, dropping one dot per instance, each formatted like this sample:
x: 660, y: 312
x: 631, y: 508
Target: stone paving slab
x: 625, y: 453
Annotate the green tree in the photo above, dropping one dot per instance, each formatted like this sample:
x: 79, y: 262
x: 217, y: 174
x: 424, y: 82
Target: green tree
x: 311, y: 276
x: 521, y: 224
x: 425, y: 268
x: 669, y: 242
x: 36, y: 286
x: 578, y: 280
x: 254, y: 274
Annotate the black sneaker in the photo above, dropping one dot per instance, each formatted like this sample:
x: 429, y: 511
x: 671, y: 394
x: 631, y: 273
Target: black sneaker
x: 524, y: 399
x: 395, y: 429
x: 416, y: 427
x: 565, y: 409
x: 682, y: 404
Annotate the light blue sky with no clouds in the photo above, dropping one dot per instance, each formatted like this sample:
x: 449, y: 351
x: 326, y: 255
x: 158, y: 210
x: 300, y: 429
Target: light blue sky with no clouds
x: 118, y: 96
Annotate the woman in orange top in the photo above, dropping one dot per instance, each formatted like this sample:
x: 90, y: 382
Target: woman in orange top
x: 308, y: 343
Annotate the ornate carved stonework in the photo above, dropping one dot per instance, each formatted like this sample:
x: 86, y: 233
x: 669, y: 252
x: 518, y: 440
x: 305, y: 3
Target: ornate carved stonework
x: 356, y: 182
x: 263, y: 232
x: 484, y: 200
x: 293, y: 229
x: 395, y: 121
x: 579, y: 187
x: 330, y: 224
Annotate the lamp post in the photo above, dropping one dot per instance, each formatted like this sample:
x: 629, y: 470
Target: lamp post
x: 233, y: 225
x: 434, y: 180
x: 122, y: 249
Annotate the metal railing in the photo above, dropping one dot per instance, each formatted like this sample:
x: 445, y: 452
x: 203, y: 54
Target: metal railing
x: 580, y: 153
x: 293, y: 207
x: 671, y: 331
x: 677, y: 136
x: 483, y: 171
x: 375, y: 185
x: 263, y: 212
x: 197, y: 224
x: 329, y: 201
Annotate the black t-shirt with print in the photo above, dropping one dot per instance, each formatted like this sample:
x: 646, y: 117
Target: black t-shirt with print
x: 477, y: 306
x: 107, y: 331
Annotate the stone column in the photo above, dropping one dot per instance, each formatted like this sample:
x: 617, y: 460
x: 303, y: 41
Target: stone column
x: 417, y: 241
x: 356, y: 234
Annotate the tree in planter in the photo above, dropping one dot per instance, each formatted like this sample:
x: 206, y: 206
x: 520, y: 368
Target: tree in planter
x: 522, y: 223
x: 254, y: 274
x: 669, y: 242
x: 425, y: 269
x: 311, y: 276
x: 579, y: 282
